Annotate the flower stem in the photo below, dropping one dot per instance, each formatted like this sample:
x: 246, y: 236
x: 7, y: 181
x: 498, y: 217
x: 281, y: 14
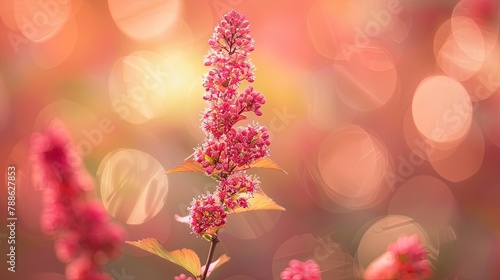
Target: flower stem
x: 214, y: 241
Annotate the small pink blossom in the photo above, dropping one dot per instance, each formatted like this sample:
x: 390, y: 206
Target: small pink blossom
x: 248, y: 144
x: 404, y: 259
x: 183, y: 277
x: 206, y: 213
x: 298, y: 270
x: 238, y: 183
x: 227, y: 150
x: 237, y: 148
x: 85, y: 237
x: 66, y: 247
x: 98, y: 235
x: 230, y: 190
x: 230, y: 45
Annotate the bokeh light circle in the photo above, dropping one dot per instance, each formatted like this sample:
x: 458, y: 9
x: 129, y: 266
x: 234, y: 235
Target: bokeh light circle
x: 465, y: 160
x: 353, y: 165
x: 133, y: 185
x: 385, y: 231
x: 4, y: 104
x: 442, y: 110
x: 491, y: 120
x: 333, y: 260
x: 47, y: 276
x: 194, y: 106
x: 56, y: 49
x: 324, y: 26
x: 80, y: 122
x: 144, y: 20
x: 158, y: 227
x: 198, y: 10
x: 31, y: 198
x: 485, y: 82
x: 416, y: 194
x: 138, y: 86
x: 315, y: 187
x: 421, y: 147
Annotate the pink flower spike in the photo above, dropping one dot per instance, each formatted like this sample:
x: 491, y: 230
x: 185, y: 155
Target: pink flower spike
x: 55, y: 162
x: 298, y: 270
x: 206, y: 214
x: 408, y: 248
x: 84, y: 269
x: 182, y: 219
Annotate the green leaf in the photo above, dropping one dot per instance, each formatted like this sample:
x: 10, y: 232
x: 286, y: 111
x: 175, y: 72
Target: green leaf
x: 264, y: 162
x: 187, y: 166
x: 209, y: 159
x: 194, y: 166
x: 182, y: 219
x: 259, y: 201
x: 185, y: 220
x: 185, y: 258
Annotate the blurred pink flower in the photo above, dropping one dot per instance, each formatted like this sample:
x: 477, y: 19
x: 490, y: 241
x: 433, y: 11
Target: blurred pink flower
x: 238, y: 147
x: 85, y: 237
x: 206, y: 213
x: 183, y: 277
x: 230, y: 190
x: 298, y: 270
x: 404, y: 259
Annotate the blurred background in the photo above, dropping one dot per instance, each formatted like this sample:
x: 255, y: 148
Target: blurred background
x: 384, y: 113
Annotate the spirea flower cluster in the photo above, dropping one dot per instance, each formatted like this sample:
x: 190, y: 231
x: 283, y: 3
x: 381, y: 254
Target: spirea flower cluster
x: 298, y: 270
x: 85, y: 239
x: 228, y: 151
x: 404, y: 259
x: 183, y: 277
